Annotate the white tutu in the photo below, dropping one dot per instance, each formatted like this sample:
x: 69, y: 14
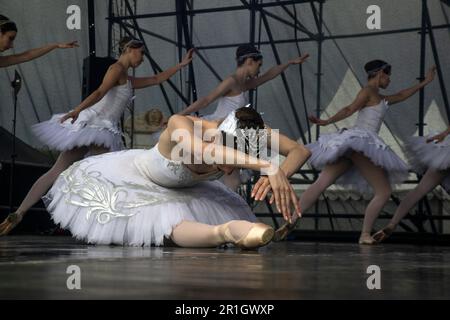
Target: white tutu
x: 87, y: 130
x: 331, y: 147
x: 96, y: 125
x: 423, y: 155
x: 108, y: 199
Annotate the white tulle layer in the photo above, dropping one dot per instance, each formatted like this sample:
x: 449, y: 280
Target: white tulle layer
x: 331, y: 147
x: 423, y: 155
x: 89, y: 129
x: 104, y: 200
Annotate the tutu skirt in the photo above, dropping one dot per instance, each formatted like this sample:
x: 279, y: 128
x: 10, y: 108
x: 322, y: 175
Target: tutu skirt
x: 105, y: 200
x: 88, y: 129
x: 331, y: 147
x: 423, y: 155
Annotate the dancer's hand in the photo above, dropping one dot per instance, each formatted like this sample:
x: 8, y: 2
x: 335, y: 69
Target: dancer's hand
x: 188, y: 57
x: 283, y: 194
x: 71, y: 115
x: 68, y: 45
x: 438, y: 138
x: 317, y: 121
x: 299, y: 60
x: 12, y: 220
x: 261, y: 188
x: 430, y: 74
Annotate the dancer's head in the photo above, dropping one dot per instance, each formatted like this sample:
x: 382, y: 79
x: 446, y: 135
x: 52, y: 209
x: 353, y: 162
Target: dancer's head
x: 242, y: 127
x: 8, y: 32
x: 133, y: 50
x: 249, y: 57
x: 380, y: 71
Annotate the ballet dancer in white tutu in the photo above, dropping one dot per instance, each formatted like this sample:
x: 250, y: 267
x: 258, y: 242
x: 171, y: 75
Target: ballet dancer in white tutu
x: 431, y: 153
x: 8, y: 33
x: 144, y: 197
x: 93, y: 126
x: 357, y: 157
x: 231, y: 93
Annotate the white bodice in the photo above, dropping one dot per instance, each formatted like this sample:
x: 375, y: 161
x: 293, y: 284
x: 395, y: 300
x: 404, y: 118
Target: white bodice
x: 225, y: 105
x: 371, y: 118
x: 169, y: 173
x: 113, y: 104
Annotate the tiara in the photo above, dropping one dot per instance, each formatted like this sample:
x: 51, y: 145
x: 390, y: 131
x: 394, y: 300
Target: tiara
x: 5, y: 22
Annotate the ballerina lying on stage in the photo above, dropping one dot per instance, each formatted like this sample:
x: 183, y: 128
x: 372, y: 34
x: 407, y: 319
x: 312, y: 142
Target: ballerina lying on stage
x: 433, y: 154
x: 358, y: 157
x: 142, y: 197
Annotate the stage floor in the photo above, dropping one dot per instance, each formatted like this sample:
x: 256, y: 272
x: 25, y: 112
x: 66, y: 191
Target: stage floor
x: 34, y: 267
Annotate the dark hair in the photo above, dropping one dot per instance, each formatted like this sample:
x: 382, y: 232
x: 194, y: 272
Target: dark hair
x: 372, y: 67
x: 7, y: 25
x: 248, y: 118
x: 128, y: 42
x: 247, y: 51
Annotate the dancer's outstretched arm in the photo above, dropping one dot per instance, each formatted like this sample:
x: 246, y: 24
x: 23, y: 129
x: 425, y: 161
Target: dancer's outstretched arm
x: 296, y: 155
x: 13, y: 59
x: 181, y: 131
x: 139, y: 83
x: 222, y: 89
x: 273, y: 72
x: 110, y: 80
x: 361, y: 101
x: 439, y: 137
x: 406, y: 93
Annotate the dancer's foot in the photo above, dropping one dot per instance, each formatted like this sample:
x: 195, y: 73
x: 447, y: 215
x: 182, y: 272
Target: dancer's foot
x: 366, y: 239
x: 259, y: 235
x: 12, y: 220
x: 282, y: 232
x: 383, y: 234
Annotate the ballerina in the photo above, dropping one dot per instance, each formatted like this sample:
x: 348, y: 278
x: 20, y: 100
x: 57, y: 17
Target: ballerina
x: 8, y: 33
x: 433, y: 154
x: 159, y: 196
x: 231, y: 93
x: 358, y: 157
x: 93, y: 126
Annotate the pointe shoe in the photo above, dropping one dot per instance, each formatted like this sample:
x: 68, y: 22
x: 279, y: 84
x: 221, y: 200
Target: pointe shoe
x: 10, y: 222
x: 282, y: 232
x: 259, y: 235
x: 383, y: 234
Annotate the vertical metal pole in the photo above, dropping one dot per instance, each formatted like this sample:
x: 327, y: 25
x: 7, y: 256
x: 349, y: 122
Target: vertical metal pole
x: 318, y: 91
x: 91, y: 23
x: 110, y: 26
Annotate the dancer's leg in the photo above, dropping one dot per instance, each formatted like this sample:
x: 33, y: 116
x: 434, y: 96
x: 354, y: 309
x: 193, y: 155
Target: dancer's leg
x: 195, y: 234
x: 326, y: 178
x: 41, y: 186
x: 428, y: 182
x: 377, y: 178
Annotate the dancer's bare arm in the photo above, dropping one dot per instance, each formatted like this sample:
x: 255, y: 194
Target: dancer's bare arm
x: 29, y: 55
x: 144, y: 82
x: 222, y: 89
x: 406, y: 93
x: 273, y: 73
x: 181, y: 131
x: 439, y: 137
x: 360, y: 102
x: 111, y: 79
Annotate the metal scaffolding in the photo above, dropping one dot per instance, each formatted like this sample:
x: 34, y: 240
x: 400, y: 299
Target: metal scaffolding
x: 124, y: 20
